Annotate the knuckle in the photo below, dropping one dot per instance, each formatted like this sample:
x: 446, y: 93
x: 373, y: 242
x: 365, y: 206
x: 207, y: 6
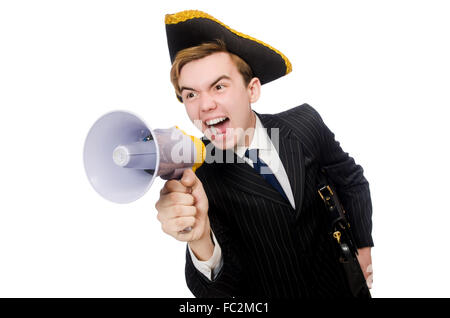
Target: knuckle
x: 171, y: 185
x: 179, y: 222
x: 166, y: 187
x: 172, y: 196
x: 177, y: 210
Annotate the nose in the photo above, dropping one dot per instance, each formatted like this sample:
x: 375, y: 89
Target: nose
x: 207, y: 102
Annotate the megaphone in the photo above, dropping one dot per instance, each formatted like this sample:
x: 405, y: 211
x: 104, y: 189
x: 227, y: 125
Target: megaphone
x: 123, y: 155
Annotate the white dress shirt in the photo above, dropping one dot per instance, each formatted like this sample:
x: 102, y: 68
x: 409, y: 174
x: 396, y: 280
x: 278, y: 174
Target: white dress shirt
x: 269, y: 155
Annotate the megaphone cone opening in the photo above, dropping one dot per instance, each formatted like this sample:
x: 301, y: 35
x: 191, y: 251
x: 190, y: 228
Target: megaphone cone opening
x: 113, y: 182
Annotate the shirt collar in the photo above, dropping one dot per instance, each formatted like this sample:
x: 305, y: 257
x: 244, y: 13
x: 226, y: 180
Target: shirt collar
x: 259, y: 141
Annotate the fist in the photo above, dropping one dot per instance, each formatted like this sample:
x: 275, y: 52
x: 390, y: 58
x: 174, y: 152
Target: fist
x: 183, y: 204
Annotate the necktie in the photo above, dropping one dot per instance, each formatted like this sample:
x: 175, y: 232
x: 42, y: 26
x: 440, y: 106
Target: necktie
x: 265, y: 172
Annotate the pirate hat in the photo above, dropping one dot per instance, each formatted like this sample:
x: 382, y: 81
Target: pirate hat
x: 192, y: 27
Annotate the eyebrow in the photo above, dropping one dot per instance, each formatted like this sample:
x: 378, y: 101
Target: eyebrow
x: 213, y: 83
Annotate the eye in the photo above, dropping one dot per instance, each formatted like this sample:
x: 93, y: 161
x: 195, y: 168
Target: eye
x: 190, y: 95
x: 220, y: 87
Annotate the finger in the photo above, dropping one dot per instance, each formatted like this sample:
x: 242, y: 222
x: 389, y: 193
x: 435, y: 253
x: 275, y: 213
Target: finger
x: 174, y: 186
x: 176, y: 198
x: 176, y: 225
x: 189, y: 179
x: 176, y: 212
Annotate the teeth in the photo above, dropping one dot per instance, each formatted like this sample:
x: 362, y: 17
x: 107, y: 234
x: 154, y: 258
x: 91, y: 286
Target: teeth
x: 215, y: 121
x: 215, y: 132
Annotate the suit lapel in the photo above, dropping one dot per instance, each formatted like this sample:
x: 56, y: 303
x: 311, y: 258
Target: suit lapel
x: 291, y: 155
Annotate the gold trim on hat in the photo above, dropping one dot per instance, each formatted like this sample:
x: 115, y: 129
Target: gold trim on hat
x: 194, y: 14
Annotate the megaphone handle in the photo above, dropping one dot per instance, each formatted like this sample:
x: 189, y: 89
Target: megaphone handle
x: 186, y: 230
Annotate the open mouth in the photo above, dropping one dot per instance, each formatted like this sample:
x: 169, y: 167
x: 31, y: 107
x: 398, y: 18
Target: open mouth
x: 218, y: 126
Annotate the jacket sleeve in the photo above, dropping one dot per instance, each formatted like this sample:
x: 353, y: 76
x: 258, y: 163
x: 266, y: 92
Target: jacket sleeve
x: 350, y: 183
x: 228, y: 281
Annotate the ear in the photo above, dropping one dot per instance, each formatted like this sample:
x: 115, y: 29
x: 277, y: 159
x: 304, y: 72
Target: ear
x: 254, y: 89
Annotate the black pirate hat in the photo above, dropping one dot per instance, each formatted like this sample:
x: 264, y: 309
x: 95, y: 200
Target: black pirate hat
x: 192, y: 27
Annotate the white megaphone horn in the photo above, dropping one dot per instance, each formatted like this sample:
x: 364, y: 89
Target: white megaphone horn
x: 122, y: 155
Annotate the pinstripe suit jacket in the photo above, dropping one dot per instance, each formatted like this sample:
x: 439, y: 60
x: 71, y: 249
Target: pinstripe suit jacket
x: 269, y: 248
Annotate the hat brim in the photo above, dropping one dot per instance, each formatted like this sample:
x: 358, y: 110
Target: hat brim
x: 192, y: 27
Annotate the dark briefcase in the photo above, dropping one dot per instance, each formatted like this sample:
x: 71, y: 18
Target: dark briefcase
x: 344, y: 242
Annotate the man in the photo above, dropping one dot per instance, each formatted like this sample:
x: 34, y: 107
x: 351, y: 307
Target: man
x: 255, y: 232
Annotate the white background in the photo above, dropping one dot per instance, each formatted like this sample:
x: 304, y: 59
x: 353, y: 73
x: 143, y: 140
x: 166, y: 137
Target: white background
x: 377, y: 71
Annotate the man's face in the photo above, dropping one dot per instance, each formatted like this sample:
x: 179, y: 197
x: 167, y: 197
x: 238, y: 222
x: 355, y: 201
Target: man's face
x: 217, y: 100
